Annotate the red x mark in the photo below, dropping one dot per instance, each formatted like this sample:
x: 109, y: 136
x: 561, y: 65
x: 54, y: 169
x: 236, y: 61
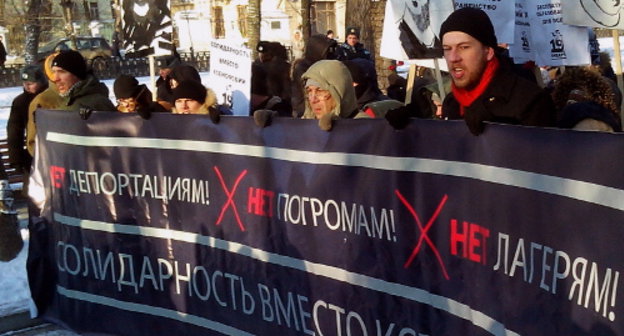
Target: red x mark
x: 230, y: 196
x: 423, y: 230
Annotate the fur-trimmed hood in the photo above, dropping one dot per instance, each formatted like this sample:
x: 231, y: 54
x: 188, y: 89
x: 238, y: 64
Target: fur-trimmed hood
x: 209, y: 103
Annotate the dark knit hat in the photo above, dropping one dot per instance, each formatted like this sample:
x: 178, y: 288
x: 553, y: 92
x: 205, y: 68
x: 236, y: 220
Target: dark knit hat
x: 263, y: 46
x: 190, y: 89
x: 71, y: 61
x: 473, y: 22
x: 169, y: 62
x: 125, y: 86
x: 574, y: 113
x: 32, y: 73
x: 357, y: 73
x: 184, y: 72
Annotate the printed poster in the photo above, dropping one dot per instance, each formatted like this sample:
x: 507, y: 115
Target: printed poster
x: 147, y: 27
x: 521, y: 50
x: 230, y: 73
x: 593, y: 13
x: 556, y: 43
x: 501, y: 14
x: 412, y: 28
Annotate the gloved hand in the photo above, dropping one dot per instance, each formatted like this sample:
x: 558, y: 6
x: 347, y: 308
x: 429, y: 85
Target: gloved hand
x: 144, y: 112
x: 326, y: 123
x: 263, y: 118
x: 475, y: 122
x: 85, y: 112
x: 398, y: 118
x: 144, y: 101
x: 214, y: 114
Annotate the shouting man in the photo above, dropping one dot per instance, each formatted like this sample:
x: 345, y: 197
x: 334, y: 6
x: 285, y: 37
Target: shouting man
x: 484, y: 88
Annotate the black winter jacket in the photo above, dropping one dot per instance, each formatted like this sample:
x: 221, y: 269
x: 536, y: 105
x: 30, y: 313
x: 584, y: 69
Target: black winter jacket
x: 16, y: 131
x: 509, y: 99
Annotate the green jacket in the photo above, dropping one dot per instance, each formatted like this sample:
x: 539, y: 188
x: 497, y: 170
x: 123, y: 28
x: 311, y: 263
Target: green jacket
x: 89, y: 93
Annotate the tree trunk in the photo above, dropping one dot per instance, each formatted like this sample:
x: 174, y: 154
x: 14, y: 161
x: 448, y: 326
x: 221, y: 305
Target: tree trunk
x: 253, y: 21
x: 381, y: 63
x: 306, y: 23
x: 33, y: 30
x: 87, y: 12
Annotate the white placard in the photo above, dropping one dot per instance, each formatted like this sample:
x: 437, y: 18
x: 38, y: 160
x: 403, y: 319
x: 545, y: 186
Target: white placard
x: 411, y: 28
x: 556, y: 43
x: 230, y: 75
x: 147, y: 27
x: 501, y: 14
x: 593, y: 13
x: 522, y: 48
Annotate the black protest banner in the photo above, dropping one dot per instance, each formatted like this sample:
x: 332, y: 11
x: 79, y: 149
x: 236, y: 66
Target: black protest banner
x: 176, y: 225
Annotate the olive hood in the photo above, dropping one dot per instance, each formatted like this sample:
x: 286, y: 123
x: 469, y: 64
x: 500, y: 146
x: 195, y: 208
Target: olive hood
x: 334, y: 77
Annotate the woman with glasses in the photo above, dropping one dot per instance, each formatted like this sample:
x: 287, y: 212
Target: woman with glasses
x: 132, y: 97
x: 329, y: 93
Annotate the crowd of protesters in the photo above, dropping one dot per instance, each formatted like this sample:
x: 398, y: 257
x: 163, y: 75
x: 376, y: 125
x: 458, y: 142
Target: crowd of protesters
x: 330, y: 80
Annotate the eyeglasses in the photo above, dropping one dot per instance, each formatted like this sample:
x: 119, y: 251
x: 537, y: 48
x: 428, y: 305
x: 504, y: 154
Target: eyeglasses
x: 319, y: 94
x: 126, y: 101
x: 126, y: 104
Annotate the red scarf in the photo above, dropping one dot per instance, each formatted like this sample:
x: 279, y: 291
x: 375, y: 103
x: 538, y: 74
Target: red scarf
x: 467, y: 97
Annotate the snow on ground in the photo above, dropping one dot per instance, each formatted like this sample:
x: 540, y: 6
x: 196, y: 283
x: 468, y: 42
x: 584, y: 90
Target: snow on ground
x: 14, y: 291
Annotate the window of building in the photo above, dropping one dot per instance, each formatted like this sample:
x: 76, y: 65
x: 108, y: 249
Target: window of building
x: 276, y: 25
x: 242, y: 19
x: 218, y: 24
x: 323, y: 17
x: 94, y: 11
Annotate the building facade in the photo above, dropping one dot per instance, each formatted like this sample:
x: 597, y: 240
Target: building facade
x: 197, y: 21
x: 89, y: 18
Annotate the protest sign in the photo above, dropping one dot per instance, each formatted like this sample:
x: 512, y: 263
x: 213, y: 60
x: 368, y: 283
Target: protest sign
x: 230, y: 73
x: 290, y: 230
x: 593, y: 13
x: 147, y: 28
x: 501, y: 14
x: 411, y: 28
x: 556, y: 43
x: 522, y: 48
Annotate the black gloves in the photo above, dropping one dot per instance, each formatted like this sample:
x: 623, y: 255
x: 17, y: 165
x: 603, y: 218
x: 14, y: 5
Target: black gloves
x: 475, y: 118
x: 398, y: 118
x: 144, y: 112
x: 85, y: 113
x: 475, y: 123
x: 144, y: 103
x: 214, y: 114
x: 263, y: 118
